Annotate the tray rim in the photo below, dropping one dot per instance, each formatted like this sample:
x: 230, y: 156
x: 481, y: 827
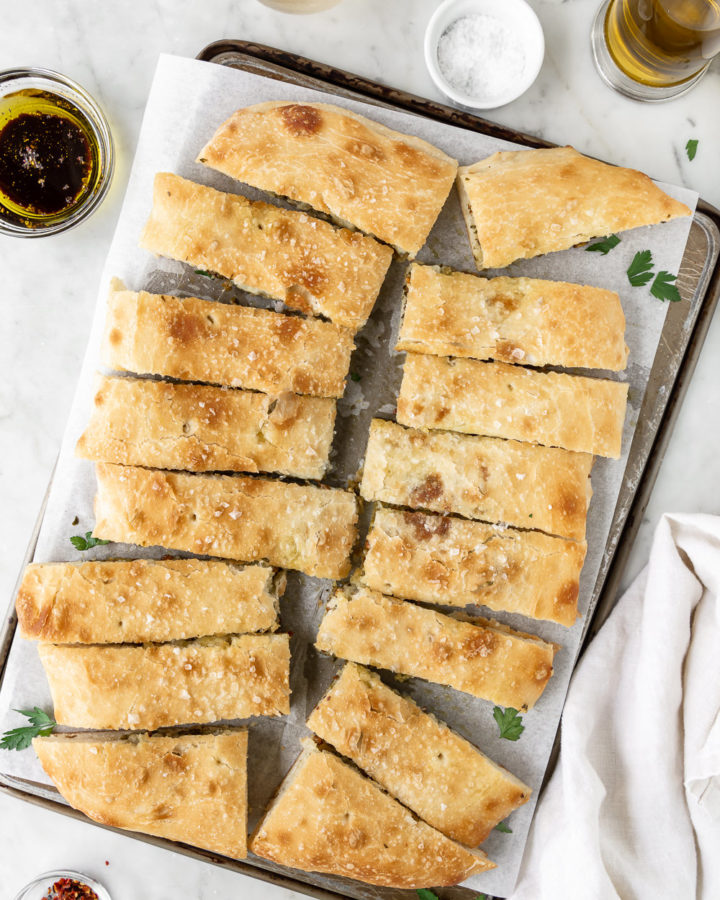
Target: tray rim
x: 372, y: 90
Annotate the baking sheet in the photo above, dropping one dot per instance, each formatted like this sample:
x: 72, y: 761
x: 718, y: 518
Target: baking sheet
x: 188, y: 100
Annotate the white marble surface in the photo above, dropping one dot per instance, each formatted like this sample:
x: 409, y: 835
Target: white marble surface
x: 48, y: 288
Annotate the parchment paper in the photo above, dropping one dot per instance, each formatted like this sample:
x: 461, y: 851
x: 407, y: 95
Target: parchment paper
x: 188, y: 100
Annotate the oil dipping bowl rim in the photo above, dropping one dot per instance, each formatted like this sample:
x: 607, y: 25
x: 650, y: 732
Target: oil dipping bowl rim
x: 531, y: 34
x: 18, y: 79
x: 46, y: 879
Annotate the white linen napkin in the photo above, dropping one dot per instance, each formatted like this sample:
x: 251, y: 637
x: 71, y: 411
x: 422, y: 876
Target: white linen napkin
x: 633, y: 808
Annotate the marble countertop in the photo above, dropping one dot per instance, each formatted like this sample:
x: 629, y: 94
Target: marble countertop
x: 49, y: 287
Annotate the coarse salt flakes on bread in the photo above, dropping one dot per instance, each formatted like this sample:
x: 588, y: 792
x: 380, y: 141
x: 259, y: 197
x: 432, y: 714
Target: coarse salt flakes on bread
x: 385, y: 183
x: 328, y: 817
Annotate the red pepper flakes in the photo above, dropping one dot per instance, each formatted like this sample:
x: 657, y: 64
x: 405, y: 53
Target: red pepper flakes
x: 69, y: 889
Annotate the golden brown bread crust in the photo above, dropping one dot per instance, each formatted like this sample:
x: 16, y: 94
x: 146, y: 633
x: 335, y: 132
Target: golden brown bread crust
x: 245, y: 518
x: 453, y: 562
x: 199, y: 428
x: 478, y: 477
x: 495, y: 399
x: 157, y: 685
x: 189, y: 788
x: 388, y: 184
x: 521, y: 203
x: 307, y: 263
x: 513, y: 320
x: 200, y: 340
x: 480, y: 658
x: 438, y: 774
x: 330, y: 818
x: 140, y: 600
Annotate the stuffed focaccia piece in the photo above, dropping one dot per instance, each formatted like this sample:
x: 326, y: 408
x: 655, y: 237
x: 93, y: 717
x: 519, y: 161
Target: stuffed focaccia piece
x: 490, y: 398
x: 201, y: 428
x: 522, y: 203
x: 287, y: 255
x: 201, y: 340
x: 480, y: 657
x: 149, y: 686
x: 328, y: 817
x: 478, y: 477
x: 388, y: 184
x: 141, y: 600
x: 293, y: 526
x: 513, y: 320
x: 190, y: 787
x: 432, y: 770
x: 454, y: 562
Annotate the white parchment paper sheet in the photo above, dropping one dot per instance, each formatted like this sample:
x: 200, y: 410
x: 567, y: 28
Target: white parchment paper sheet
x: 188, y: 100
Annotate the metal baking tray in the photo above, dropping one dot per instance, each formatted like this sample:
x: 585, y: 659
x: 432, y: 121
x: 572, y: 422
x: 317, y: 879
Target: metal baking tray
x: 682, y: 339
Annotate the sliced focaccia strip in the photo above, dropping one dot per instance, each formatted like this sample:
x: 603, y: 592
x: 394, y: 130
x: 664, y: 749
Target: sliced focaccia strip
x: 551, y: 408
x: 149, y: 686
x: 478, y: 477
x: 328, y: 817
x: 200, y: 340
x: 438, y: 774
x: 361, y: 173
x: 307, y: 263
x: 453, y: 562
x: 481, y: 658
x: 514, y: 320
x: 137, y: 600
x: 200, y: 428
x: 235, y: 517
x: 521, y: 203
x: 190, y: 787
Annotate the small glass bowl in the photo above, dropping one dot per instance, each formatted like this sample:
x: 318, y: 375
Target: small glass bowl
x: 38, y: 887
x: 13, y: 80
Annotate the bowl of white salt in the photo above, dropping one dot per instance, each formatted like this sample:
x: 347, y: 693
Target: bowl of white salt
x: 484, y: 53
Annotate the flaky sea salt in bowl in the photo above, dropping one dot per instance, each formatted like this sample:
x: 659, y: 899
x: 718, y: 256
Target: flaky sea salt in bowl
x: 484, y: 53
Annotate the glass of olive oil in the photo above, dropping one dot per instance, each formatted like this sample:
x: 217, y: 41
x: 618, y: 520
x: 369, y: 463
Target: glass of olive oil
x: 56, y: 153
x: 655, y: 49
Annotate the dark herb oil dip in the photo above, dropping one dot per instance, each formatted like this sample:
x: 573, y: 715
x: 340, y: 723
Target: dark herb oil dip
x: 48, y: 158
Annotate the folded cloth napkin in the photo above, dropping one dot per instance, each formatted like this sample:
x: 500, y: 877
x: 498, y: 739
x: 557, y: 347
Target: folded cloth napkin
x: 632, y: 810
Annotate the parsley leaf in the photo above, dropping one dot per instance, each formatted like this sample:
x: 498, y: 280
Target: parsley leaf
x: 86, y: 543
x: 205, y: 273
x: 640, y: 269
x: 691, y: 148
x: 509, y: 723
x: 501, y: 826
x: 21, y: 738
x: 355, y: 377
x: 604, y: 246
x: 425, y: 894
x: 663, y: 289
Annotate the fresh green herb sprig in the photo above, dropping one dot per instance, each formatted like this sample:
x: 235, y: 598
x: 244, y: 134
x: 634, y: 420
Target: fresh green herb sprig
x: 501, y: 826
x: 355, y: 377
x: 663, y: 289
x: 86, y: 543
x: 21, y: 738
x: 691, y: 148
x: 640, y: 269
x: 604, y: 246
x: 509, y: 722
x: 205, y: 273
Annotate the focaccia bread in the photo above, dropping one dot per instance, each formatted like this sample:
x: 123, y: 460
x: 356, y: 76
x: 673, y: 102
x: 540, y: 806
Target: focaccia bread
x: 479, y: 657
x: 200, y: 428
x: 495, y: 399
x: 514, y: 320
x: 201, y: 340
x: 453, y: 562
x: 478, y: 477
x: 361, y: 173
x: 149, y: 686
x: 521, y: 203
x: 327, y: 817
x: 309, y: 264
x: 190, y: 787
x: 138, y: 600
x: 436, y: 773
x: 238, y: 517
